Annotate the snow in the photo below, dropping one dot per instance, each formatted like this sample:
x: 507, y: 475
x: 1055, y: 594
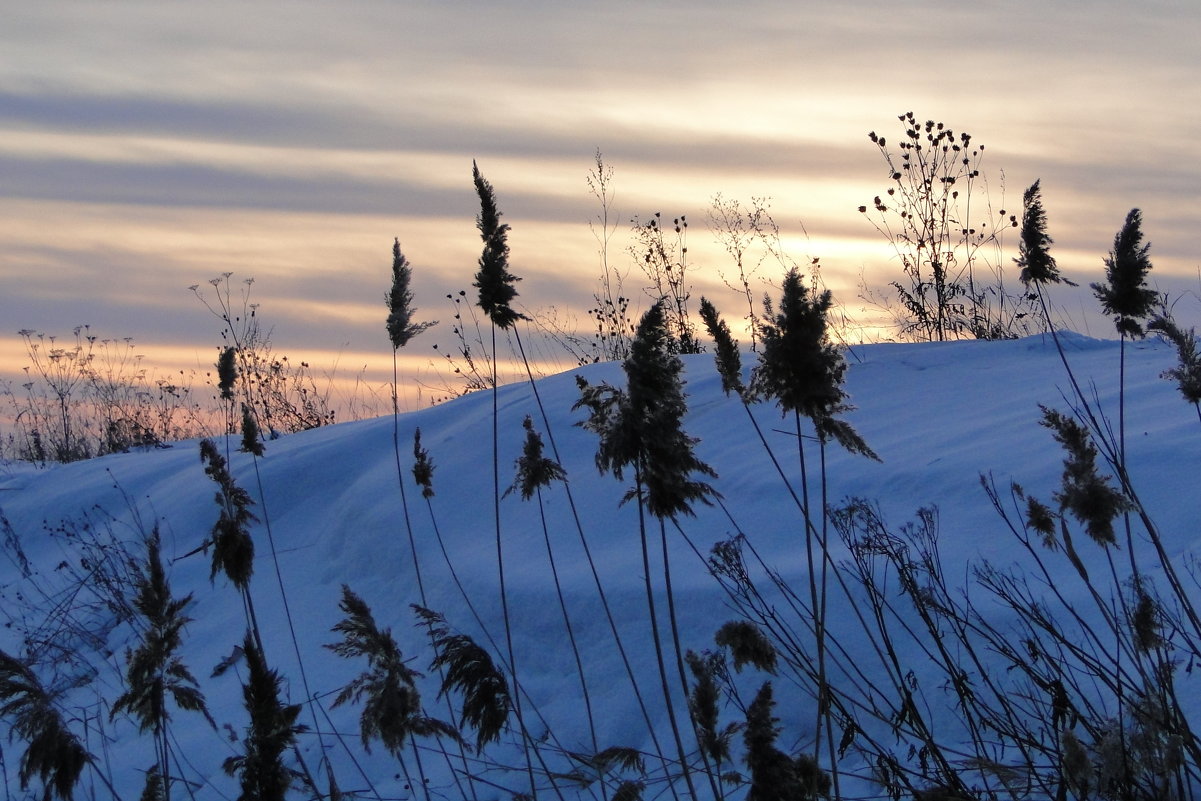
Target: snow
x: 939, y: 415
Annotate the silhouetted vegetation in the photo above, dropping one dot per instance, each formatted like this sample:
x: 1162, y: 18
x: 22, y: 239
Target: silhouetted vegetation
x: 1058, y: 691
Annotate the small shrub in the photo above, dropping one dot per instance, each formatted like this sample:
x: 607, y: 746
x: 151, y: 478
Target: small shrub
x: 664, y: 260
x: 939, y: 220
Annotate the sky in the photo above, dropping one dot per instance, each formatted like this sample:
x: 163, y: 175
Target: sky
x: 146, y: 148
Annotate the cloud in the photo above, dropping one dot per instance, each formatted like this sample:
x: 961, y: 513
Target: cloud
x: 146, y: 148
x: 191, y: 185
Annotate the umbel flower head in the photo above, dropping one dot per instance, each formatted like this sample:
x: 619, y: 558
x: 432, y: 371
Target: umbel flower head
x: 729, y: 360
x: 1126, y: 295
x: 227, y: 372
x: 534, y: 470
x: 800, y: 368
x: 1084, y: 492
x: 493, y: 280
x: 642, y: 425
x: 401, y: 327
x: 154, y: 671
x: 271, y: 732
x: 53, y: 754
x: 423, y: 466
x: 1187, y: 372
x: 392, y: 710
x: 233, y: 549
x: 469, y: 670
x: 1034, y: 254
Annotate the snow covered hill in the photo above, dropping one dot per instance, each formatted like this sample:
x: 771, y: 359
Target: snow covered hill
x: 940, y: 416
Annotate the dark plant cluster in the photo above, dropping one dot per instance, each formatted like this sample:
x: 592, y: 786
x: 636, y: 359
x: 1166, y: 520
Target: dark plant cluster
x: 663, y: 257
x: 280, y: 396
x: 92, y: 396
x: 954, y: 284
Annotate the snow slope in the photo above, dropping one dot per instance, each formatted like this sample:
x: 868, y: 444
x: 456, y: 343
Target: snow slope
x: 938, y: 415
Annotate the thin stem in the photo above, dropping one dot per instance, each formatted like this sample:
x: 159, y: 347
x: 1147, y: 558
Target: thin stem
x: 500, y: 564
x: 656, y: 639
x: 404, y: 502
x: 600, y: 588
x: 675, y: 639
x: 813, y: 593
x: 823, y: 702
x: 575, y: 649
x: 279, y: 577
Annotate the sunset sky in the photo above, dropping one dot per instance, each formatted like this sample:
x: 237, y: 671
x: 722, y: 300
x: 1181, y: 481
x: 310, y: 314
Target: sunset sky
x: 147, y: 147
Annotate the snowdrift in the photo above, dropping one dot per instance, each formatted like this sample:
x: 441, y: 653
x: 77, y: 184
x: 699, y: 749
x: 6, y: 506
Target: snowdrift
x: 940, y: 416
